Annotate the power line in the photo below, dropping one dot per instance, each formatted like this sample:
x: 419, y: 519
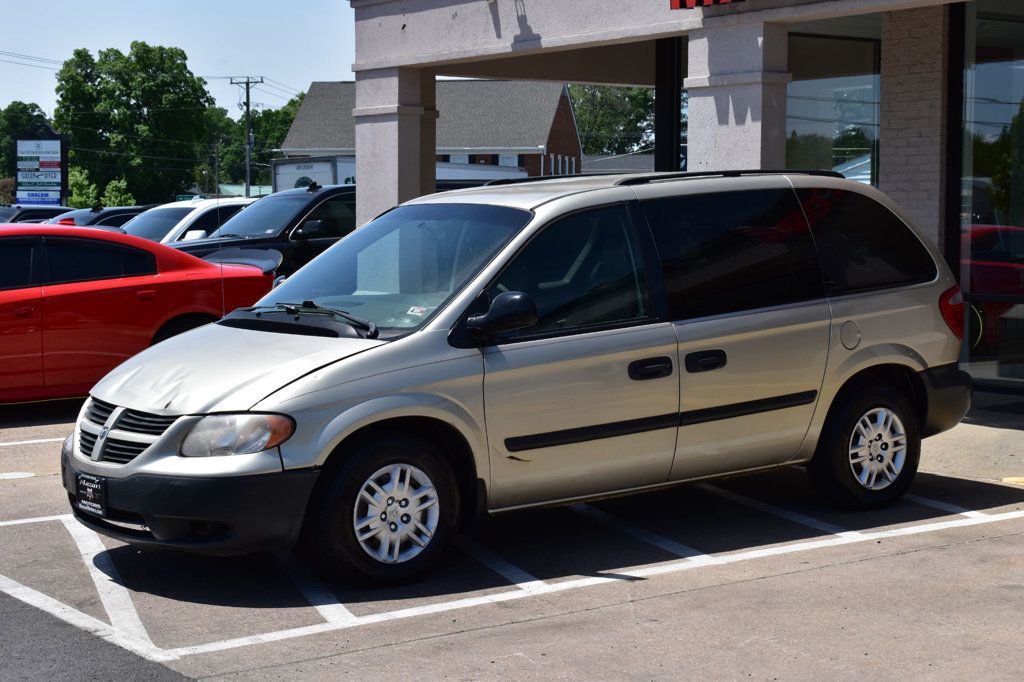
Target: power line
x: 34, y: 66
x: 19, y: 55
x: 286, y: 87
x: 247, y: 82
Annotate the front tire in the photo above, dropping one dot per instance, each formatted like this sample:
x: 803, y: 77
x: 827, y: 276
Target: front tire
x: 386, y: 513
x: 869, y: 450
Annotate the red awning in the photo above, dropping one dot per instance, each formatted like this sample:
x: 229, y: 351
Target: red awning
x: 690, y: 4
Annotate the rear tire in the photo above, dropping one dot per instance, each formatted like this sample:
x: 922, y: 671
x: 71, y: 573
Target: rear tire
x: 869, y: 450
x: 384, y: 514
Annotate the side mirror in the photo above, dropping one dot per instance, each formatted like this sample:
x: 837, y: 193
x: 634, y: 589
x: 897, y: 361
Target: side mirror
x: 509, y: 311
x: 193, y: 234
x: 311, y: 229
x: 278, y: 281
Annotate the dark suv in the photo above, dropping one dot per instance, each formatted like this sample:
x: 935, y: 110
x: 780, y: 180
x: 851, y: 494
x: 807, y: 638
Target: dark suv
x: 300, y: 223
x: 30, y: 214
x: 99, y: 216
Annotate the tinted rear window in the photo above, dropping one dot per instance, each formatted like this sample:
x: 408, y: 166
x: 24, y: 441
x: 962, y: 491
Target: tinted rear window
x: 733, y: 251
x: 863, y: 245
x: 5, y: 213
x: 156, y: 223
x: 75, y: 260
x: 17, y: 262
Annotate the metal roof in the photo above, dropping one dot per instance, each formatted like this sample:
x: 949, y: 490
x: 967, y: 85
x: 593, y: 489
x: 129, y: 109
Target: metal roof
x: 485, y: 115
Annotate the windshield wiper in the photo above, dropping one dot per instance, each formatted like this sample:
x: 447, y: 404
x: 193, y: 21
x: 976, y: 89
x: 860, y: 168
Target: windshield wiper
x: 310, y: 305
x: 228, y: 235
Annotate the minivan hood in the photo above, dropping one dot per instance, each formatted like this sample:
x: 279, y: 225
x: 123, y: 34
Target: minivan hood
x: 218, y: 368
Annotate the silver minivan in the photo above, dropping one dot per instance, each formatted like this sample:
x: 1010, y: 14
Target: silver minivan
x: 535, y: 343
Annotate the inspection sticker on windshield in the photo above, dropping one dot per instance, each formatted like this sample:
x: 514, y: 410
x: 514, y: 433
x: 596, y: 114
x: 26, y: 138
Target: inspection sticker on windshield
x: 418, y: 311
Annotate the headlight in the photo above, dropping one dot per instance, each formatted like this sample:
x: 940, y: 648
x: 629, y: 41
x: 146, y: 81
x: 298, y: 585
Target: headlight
x: 236, y: 434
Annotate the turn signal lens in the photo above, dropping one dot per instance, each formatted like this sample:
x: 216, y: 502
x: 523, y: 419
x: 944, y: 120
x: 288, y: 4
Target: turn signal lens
x: 236, y: 434
x: 951, y: 305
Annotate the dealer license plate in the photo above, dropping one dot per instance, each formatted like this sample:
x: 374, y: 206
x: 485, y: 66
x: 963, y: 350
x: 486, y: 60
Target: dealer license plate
x: 91, y: 494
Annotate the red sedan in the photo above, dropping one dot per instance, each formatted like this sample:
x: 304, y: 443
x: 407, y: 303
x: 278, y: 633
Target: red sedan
x: 76, y: 302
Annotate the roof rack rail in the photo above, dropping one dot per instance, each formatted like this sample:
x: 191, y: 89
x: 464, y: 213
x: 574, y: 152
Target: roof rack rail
x: 538, y: 178
x: 646, y: 178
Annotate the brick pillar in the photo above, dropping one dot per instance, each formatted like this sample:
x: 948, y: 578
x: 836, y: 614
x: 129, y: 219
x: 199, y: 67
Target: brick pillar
x: 912, y: 139
x: 737, y: 86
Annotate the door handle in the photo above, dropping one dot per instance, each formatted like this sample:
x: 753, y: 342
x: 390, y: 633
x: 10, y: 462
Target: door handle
x: 25, y: 311
x: 705, y: 361
x: 146, y: 294
x: 650, y: 368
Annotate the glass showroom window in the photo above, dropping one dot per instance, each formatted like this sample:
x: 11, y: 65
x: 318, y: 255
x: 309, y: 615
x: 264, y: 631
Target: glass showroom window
x: 992, y: 191
x: 832, y: 103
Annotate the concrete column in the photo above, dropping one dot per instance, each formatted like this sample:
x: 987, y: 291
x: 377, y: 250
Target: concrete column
x: 912, y: 139
x: 737, y: 89
x: 428, y: 133
x: 389, y: 116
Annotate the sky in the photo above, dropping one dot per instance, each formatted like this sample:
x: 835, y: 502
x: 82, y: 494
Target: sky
x: 290, y: 43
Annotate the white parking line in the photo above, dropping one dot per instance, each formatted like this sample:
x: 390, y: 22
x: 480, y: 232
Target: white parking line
x: 795, y: 517
x: 82, y: 620
x: 315, y: 592
x: 114, y: 596
x: 11, y: 444
x: 510, y: 572
x: 642, y: 534
x: 35, y: 519
x: 943, y: 506
x: 13, y: 475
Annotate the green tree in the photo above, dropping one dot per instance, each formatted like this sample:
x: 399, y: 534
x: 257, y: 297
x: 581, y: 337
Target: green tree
x: 117, y: 194
x: 140, y: 116
x: 6, y: 190
x: 613, y: 120
x: 1008, y: 171
x: 19, y: 121
x: 82, y: 192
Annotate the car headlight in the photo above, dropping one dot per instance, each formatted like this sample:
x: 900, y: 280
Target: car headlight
x: 236, y: 434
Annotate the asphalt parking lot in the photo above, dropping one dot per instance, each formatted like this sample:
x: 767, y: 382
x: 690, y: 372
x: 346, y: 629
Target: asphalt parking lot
x: 744, y: 577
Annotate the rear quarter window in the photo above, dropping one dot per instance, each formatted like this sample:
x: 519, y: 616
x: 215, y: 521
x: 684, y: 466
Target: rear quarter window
x: 862, y: 244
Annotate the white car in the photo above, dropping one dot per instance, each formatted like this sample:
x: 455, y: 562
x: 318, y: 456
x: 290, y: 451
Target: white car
x: 184, y: 220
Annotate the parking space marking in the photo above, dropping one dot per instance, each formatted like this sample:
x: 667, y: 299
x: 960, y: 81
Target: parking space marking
x: 318, y: 596
x: 12, y: 475
x: 148, y: 650
x: 114, y: 596
x: 795, y: 517
x: 35, y: 519
x: 507, y: 570
x: 642, y: 534
x: 11, y: 444
x: 83, y: 621
x: 943, y: 506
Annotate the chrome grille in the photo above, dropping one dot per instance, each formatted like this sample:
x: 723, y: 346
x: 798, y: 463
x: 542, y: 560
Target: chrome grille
x: 98, y: 411
x: 121, y: 451
x: 142, y: 422
x: 131, y: 431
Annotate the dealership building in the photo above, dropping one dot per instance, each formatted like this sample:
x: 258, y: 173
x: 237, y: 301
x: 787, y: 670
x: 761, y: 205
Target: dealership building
x: 921, y: 98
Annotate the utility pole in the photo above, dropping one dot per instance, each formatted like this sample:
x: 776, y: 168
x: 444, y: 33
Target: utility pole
x: 247, y: 82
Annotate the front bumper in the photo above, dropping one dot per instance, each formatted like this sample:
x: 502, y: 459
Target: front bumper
x: 209, y: 515
x: 948, y: 397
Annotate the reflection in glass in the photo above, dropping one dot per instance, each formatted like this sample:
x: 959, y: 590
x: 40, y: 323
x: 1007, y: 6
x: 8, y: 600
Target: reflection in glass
x: 832, y: 118
x: 992, y: 208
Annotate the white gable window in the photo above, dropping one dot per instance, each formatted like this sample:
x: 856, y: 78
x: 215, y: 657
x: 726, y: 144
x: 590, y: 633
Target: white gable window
x: 459, y: 158
x: 510, y: 160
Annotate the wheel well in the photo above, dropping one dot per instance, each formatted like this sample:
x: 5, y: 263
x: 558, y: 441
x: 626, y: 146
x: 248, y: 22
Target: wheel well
x: 448, y: 440
x: 181, y: 323
x: 903, y: 379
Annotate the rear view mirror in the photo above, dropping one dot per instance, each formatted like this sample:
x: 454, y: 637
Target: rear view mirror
x: 509, y: 311
x: 193, y: 234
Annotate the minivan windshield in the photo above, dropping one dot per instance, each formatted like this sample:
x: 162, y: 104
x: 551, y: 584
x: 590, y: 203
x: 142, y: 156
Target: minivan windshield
x: 263, y: 218
x: 398, y: 269
x: 155, y: 223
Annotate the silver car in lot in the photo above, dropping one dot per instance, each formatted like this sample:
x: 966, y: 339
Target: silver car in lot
x: 535, y: 343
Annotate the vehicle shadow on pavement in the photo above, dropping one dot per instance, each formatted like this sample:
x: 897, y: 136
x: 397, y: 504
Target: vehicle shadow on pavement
x: 40, y: 414
x: 998, y: 410
x: 600, y: 539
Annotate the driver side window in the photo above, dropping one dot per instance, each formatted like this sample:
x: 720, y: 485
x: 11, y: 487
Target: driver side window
x: 582, y: 271
x: 337, y: 214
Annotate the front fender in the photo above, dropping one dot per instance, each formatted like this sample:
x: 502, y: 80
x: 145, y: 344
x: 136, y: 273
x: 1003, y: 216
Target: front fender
x: 383, y: 408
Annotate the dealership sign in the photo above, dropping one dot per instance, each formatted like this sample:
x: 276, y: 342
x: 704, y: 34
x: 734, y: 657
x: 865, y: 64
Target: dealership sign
x: 691, y: 4
x: 40, y: 175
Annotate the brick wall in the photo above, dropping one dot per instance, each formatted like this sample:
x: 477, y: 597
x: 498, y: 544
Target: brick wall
x: 563, y: 138
x: 912, y: 156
